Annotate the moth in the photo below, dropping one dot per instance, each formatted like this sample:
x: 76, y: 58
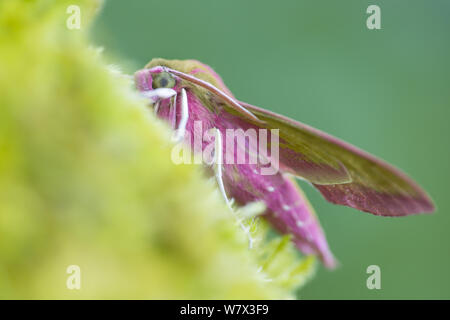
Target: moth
x: 194, y: 100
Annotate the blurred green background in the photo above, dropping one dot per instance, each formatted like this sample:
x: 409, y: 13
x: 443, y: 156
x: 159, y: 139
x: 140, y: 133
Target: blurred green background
x: 386, y: 91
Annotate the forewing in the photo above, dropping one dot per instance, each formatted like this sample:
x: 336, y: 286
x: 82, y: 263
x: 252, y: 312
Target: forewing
x: 373, y: 185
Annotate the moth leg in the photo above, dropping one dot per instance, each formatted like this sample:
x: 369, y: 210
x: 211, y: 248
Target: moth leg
x: 156, y: 108
x: 173, y: 112
x: 181, y: 130
x: 156, y: 95
x: 217, y: 165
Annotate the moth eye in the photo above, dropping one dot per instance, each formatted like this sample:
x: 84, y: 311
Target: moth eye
x: 163, y: 80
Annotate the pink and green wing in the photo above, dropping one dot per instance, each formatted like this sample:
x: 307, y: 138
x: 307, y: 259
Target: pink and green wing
x: 344, y: 174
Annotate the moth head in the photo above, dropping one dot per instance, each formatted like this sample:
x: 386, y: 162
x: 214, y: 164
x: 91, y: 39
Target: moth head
x: 190, y: 67
x: 156, y: 83
x: 163, y: 80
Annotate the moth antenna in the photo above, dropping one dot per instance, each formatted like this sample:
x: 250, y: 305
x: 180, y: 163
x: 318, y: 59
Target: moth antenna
x: 204, y: 84
x: 218, y: 155
x: 181, y: 130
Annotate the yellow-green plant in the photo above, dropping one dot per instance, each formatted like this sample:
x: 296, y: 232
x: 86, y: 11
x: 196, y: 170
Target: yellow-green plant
x: 86, y: 180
